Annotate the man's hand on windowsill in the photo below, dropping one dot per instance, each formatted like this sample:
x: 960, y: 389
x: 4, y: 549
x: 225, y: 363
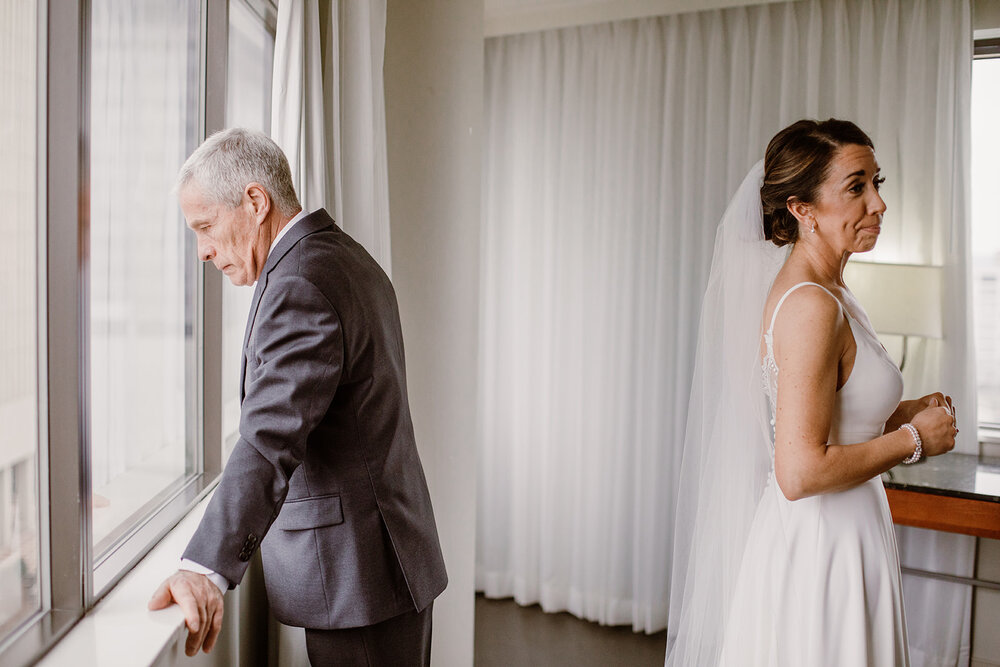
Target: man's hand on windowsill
x: 201, y: 602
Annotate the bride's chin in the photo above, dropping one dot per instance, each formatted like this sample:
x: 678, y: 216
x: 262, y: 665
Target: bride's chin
x: 866, y: 245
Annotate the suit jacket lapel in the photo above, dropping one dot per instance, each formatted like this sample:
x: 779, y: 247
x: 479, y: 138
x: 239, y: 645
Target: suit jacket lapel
x: 313, y: 222
x: 251, y: 316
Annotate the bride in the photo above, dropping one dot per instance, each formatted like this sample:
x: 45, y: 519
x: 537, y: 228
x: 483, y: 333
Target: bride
x: 784, y: 551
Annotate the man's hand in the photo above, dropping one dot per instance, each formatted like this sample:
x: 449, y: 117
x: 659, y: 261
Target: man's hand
x: 199, y: 600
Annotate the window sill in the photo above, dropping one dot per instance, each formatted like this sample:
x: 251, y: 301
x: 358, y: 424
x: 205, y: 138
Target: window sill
x: 120, y: 630
x: 989, y: 440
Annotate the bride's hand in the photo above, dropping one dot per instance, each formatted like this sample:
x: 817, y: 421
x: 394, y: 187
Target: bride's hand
x: 931, y: 400
x: 911, y: 408
x: 936, y: 425
x: 907, y: 410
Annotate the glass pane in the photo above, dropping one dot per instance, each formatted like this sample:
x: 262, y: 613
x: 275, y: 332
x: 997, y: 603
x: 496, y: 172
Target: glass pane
x: 986, y: 234
x: 248, y: 104
x: 251, y: 55
x: 144, y: 123
x: 19, y: 508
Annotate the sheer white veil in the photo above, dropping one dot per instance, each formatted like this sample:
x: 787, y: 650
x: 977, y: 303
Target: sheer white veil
x: 728, y: 441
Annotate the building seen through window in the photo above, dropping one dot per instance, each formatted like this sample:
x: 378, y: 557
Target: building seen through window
x: 144, y: 79
x: 248, y: 104
x: 20, y: 573
x: 986, y: 235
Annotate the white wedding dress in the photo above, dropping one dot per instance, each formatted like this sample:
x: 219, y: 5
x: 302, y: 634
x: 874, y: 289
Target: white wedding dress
x: 819, y: 583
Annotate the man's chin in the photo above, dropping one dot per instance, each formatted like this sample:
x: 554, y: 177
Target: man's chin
x: 234, y: 276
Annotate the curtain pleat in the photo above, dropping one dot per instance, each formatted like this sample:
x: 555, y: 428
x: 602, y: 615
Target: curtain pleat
x: 610, y: 152
x: 328, y: 113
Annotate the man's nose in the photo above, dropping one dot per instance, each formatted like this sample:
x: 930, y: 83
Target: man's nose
x: 206, y: 253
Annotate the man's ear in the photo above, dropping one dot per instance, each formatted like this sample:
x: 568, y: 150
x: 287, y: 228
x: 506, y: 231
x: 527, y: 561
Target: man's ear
x: 259, y: 201
x: 801, y: 210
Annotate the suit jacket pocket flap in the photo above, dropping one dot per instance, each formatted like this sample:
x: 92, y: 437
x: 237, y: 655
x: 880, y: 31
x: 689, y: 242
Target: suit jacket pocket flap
x: 308, y: 513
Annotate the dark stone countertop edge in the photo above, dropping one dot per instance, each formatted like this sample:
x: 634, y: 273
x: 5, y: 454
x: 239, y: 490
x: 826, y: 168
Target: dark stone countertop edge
x: 935, y: 491
x: 953, y: 475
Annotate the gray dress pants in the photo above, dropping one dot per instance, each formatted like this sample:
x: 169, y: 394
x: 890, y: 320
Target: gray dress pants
x: 401, y: 641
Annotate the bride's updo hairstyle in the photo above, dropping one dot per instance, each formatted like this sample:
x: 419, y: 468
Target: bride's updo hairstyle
x: 795, y: 165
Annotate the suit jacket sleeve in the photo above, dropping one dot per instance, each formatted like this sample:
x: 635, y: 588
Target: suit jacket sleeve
x: 295, y: 357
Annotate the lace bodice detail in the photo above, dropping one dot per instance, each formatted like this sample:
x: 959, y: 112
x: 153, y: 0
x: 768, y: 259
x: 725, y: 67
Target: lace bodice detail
x: 769, y: 371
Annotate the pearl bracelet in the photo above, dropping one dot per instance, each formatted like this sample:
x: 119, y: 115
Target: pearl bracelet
x: 918, y: 450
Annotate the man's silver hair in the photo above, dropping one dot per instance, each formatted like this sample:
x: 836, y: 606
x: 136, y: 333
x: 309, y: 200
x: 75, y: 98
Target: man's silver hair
x: 229, y: 160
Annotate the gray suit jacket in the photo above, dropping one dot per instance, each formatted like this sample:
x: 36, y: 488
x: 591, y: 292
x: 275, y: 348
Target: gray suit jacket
x: 326, y: 465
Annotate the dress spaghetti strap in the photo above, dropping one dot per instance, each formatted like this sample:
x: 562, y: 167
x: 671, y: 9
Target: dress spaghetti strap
x: 769, y: 365
x: 774, y: 315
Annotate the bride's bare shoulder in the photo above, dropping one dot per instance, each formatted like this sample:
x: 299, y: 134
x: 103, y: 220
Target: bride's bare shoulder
x: 803, y: 306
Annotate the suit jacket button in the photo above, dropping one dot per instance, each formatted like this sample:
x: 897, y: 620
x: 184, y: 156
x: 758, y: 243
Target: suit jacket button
x: 244, y: 555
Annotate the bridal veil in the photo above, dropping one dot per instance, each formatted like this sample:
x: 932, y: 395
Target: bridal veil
x: 728, y: 441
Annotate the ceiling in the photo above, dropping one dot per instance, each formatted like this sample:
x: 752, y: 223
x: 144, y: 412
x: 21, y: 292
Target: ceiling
x: 504, y: 17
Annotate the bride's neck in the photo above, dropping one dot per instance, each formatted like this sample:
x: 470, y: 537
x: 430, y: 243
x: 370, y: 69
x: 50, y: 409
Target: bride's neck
x: 825, y: 264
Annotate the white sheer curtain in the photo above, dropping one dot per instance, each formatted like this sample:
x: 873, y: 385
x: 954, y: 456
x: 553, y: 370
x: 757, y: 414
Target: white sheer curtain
x: 328, y: 113
x: 610, y: 153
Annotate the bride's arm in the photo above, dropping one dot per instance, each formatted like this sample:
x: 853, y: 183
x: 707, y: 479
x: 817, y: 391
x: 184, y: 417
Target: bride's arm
x: 810, y: 337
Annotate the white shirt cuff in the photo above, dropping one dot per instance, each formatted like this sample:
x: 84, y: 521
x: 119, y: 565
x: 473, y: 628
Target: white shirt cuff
x: 221, y: 582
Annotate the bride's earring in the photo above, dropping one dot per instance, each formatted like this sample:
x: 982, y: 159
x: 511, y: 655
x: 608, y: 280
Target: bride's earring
x: 813, y: 228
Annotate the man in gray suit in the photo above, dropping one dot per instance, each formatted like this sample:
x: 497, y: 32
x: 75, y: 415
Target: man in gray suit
x: 326, y: 465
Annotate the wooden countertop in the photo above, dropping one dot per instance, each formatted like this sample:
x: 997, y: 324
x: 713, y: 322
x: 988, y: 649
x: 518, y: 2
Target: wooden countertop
x: 958, y: 493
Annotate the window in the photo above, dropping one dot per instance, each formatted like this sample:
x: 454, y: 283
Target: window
x: 20, y: 544
x: 144, y: 122
x: 250, y: 63
x: 986, y: 232
x: 105, y: 440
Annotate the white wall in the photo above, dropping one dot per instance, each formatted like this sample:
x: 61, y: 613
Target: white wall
x: 433, y: 92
